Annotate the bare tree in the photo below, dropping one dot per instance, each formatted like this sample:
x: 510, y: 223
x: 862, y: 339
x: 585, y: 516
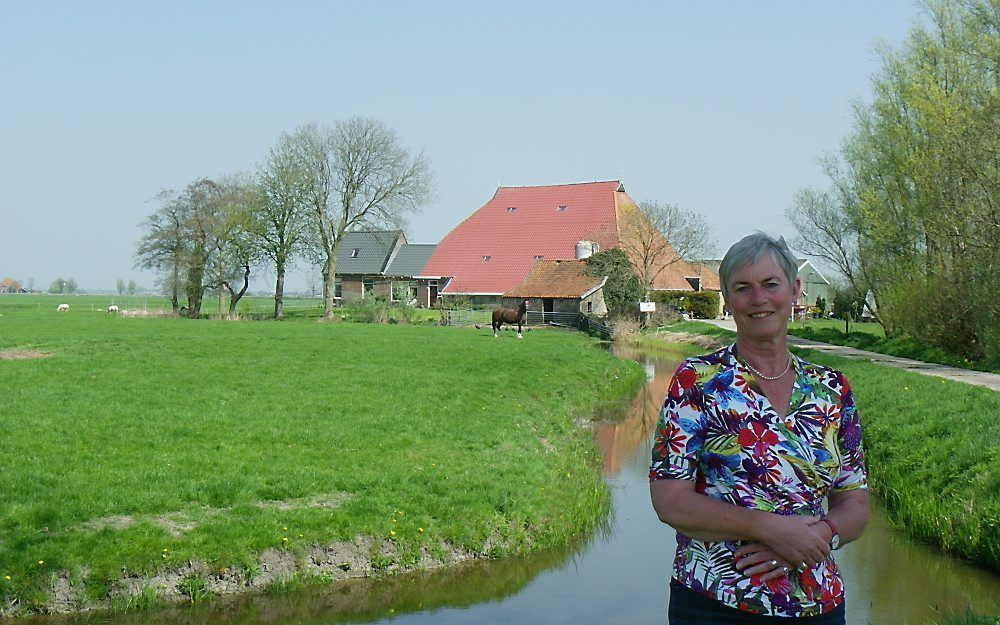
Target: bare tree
x: 824, y: 229
x: 656, y: 236
x: 359, y: 176
x: 162, y: 247
x: 278, y: 211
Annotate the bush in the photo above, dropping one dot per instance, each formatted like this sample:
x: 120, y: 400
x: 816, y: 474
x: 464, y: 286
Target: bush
x: 699, y: 304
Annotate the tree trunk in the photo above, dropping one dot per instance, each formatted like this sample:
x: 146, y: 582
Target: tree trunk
x: 234, y: 298
x: 279, y: 290
x: 329, y: 276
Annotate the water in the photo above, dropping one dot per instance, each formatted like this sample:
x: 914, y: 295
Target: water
x: 619, y: 575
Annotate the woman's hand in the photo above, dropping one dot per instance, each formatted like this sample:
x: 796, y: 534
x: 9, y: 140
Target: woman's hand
x: 795, y: 539
x: 758, y: 559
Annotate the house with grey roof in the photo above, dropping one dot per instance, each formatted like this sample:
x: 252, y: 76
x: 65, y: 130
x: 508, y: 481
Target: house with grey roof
x: 405, y: 273
x: 382, y: 262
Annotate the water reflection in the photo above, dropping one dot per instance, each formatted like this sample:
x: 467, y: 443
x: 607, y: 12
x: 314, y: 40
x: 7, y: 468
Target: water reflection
x: 618, y: 575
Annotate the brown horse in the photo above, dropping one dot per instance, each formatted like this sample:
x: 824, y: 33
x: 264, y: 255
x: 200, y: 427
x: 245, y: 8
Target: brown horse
x: 509, y: 315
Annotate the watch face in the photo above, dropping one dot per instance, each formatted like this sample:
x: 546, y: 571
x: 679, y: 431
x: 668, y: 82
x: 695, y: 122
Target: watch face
x: 835, y: 541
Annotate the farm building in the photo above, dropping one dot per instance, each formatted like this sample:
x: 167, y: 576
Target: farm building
x: 561, y: 286
x: 494, y: 249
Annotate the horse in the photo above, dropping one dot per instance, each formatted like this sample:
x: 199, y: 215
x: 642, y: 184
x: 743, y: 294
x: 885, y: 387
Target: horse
x: 509, y: 315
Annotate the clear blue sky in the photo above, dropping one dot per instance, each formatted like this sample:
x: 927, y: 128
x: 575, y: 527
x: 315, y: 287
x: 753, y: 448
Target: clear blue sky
x: 719, y: 107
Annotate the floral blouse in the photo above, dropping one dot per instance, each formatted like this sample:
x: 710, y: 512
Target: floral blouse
x: 718, y: 429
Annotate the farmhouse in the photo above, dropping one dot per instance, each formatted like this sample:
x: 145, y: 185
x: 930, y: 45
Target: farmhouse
x: 495, y: 248
x: 10, y: 285
x: 383, y: 262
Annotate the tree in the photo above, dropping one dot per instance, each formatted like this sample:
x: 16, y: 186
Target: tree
x: 358, y: 175
x: 120, y: 284
x: 916, y: 192
x: 656, y: 236
x: 623, y: 289
x: 277, y: 215
x: 131, y: 287
x: 70, y: 285
x: 58, y: 286
x: 162, y: 248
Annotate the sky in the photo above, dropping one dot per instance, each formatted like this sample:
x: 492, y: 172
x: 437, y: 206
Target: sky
x: 720, y: 107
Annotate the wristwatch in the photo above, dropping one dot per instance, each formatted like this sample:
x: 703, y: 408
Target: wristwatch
x: 835, y: 539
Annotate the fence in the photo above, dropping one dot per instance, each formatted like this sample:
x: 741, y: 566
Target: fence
x: 576, y: 321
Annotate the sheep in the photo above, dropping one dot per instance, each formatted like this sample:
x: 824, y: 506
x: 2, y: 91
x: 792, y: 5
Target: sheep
x: 62, y: 308
x: 112, y: 309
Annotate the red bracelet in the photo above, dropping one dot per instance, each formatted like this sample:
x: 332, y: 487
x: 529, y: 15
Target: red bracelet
x: 833, y: 528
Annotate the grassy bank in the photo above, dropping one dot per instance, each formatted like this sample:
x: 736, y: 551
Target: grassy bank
x: 932, y: 451
x: 870, y: 337
x: 209, y: 455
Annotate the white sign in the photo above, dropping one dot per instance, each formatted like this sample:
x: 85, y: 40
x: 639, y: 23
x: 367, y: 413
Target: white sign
x: 647, y: 306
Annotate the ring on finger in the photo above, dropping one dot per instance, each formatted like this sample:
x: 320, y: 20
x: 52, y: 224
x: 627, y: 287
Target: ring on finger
x: 802, y: 566
x: 774, y: 563
x: 785, y: 569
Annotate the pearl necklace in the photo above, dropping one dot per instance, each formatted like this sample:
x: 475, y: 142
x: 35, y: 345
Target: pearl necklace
x: 769, y: 378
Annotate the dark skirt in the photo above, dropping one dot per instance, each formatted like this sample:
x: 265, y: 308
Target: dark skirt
x: 688, y: 607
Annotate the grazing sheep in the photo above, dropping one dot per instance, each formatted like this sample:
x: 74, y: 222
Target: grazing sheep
x: 62, y: 308
x: 112, y: 309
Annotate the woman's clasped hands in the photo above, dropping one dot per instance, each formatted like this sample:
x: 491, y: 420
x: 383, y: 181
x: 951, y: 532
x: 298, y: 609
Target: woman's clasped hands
x: 787, y: 543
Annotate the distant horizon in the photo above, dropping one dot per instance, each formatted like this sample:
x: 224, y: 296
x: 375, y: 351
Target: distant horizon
x: 720, y: 108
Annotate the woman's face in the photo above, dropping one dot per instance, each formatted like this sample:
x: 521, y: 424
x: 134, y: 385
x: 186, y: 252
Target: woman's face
x: 761, y: 299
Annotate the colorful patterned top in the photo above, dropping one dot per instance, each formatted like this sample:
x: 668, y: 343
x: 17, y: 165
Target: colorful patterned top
x: 717, y: 428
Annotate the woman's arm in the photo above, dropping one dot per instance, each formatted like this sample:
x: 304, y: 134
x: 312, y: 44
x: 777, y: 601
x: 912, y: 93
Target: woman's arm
x: 794, y: 538
x: 849, y: 512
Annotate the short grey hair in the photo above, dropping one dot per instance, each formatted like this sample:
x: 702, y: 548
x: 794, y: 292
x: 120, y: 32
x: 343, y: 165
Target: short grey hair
x: 749, y: 250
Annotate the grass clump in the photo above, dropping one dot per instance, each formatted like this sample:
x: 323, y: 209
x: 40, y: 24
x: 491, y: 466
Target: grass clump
x: 139, y: 445
x: 931, y: 453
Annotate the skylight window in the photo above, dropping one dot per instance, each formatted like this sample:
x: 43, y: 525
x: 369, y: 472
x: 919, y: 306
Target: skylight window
x: 511, y: 209
x: 354, y: 253
x: 487, y: 258
x: 562, y: 207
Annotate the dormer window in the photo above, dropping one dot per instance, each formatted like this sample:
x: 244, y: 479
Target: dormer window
x: 562, y: 207
x: 511, y: 209
x: 539, y: 256
x: 487, y: 258
x: 354, y: 253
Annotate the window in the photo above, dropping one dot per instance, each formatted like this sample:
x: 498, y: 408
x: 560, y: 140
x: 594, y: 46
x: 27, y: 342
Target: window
x: 367, y: 285
x: 354, y: 253
x: 562, y: 208
x: 404, y: 291
x: 539, y: 256
x: 337, y: 288
x: 511, y: 209
x: 590, y: 307
x: 487, y: 258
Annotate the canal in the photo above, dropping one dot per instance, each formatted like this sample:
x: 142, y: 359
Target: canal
x: 618, y: 575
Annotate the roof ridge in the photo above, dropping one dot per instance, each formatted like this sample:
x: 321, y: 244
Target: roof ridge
x: 565, y: 184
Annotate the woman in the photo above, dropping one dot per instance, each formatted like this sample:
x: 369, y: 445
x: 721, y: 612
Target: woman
x: 750, y: 444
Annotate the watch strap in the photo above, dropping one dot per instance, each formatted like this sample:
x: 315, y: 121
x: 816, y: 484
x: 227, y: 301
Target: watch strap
x: 833, y: 528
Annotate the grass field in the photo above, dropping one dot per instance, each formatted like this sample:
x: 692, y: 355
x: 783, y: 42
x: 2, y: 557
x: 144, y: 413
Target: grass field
x: 133, y: 446
x: 932, y: 451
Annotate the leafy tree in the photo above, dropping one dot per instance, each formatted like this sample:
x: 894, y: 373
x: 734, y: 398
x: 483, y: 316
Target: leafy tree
x: 916, y: 189
x: 58, y: 286
x: 70, y: 286
x: 120, y: 284
x: 623, y: 290
x: 131, y: 287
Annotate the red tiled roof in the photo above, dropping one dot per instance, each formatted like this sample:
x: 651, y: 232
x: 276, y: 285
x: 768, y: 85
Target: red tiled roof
x: 557, y: 278
x: 512, y: 239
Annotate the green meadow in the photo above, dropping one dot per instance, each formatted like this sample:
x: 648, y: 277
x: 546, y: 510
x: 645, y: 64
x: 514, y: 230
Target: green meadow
x: 932, y: 451
x: 133, y: 447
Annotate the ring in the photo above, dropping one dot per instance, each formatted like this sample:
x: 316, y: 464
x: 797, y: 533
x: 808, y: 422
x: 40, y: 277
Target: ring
x: 774, y: 563
x: 802, y: 566
x: 785, y: 569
